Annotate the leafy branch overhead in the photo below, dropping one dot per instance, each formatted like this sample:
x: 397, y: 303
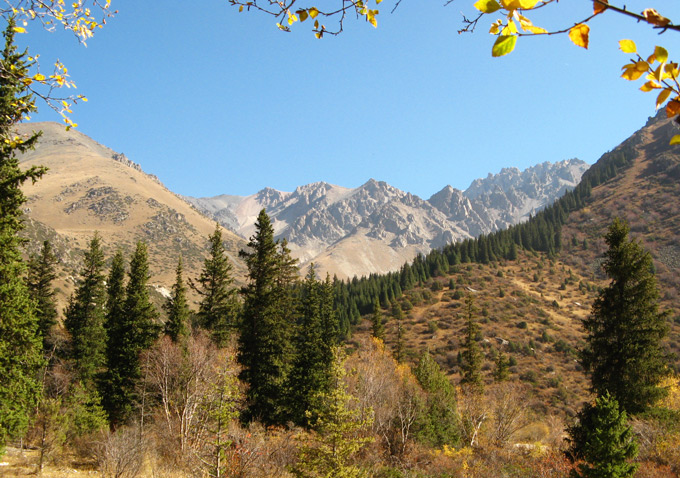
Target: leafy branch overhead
x: 513, y: 24
x: 78, y: 17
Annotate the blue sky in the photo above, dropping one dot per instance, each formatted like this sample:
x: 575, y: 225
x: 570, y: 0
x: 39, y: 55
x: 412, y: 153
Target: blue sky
x: 213, y: 101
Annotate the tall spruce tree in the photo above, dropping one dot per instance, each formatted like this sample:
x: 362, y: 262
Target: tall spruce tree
x: 398, y: 318
x: 472, y: 354
x: 218, y: 308
x: 20, y: 343
x: 377, y: 326
x: 264, y: 347
x: 131, y: 333
x: 85, y: 315
x: 623, y: 353
x: 177, y: 308
x: 439, y: 423
x: 41, y: 274
x: 604, y: 441
x: 314, y: 341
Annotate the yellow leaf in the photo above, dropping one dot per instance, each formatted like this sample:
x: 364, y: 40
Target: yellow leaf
x: 579, y: 35
x: 649, y: 86
x: 19, y: 29
x: 527, y: 4
x: 510, y: 28
x: 663, y: 96
x: 627, y: 46
x: 631, y: 73
x: 318, y: 34
x: 313, y: 12
x: 291, y: 18
x: 240, y: 9
x: 303, y: 15
x: 673, y: 108
x: 598, y: 6
x: 503, y: 45
x: 661, y: 54
x: 377, y: 2
x: 487, y: 6
x: 39, y: 77
x: 675, y: 140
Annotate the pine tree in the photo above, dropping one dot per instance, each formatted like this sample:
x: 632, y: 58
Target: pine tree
x: 604, y: 441
x: 337, y: 434
x: 623, y: 353
x: 377, y: 327
x: 438, y: 425
x: 20, y: 343
x: 85, y: 316
x: 218, y: 308
x: 264, y: 347
x: 501, y: 370
x: 314, y: 342
x: 177, y: 308
x: 472, y: 354
x: 41, y: 274
x: 130, y: 333
x: 399, y: 346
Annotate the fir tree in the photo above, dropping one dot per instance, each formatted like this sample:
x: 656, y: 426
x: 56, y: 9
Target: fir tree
x: 218, y: 308
x: 20, y: 343
x: 398, y: 317
x: 41, y: 274
x: 115, y: 292
x: 604, y: 441
x: 85, y: 315
x: 264, y: 347
x: 623, y: 353
x: 472, y: 354
x: 501, y: 370
x: 129, y: 334
x: 311, y: 370
x: 177, y: 308
x: 338, y: 434
x: 438, y: 425
x: 377, y: 327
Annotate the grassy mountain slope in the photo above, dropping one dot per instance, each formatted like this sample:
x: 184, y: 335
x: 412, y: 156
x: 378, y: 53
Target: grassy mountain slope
x: 91, y: 188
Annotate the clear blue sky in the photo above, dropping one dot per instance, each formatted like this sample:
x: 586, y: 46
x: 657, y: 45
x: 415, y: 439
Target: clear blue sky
x: 217, y: 102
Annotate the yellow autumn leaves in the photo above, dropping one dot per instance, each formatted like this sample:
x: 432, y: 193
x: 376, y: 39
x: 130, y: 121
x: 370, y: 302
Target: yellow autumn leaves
x: 662, y: 77
x: 516, y: 24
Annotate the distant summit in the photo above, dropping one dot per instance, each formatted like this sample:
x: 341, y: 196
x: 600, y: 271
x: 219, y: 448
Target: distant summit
x: 377, y: 227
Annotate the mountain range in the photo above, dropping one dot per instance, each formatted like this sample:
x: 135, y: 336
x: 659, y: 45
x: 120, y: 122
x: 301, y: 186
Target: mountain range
x: 375, y: 227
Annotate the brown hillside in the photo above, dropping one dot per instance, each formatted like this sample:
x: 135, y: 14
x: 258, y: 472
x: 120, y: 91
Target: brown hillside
x: 89, y: 188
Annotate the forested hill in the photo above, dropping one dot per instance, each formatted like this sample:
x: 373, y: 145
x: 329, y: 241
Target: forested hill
x: 634, y: 181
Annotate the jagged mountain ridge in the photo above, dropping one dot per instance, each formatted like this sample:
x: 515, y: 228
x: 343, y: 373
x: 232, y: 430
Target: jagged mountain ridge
x: 377, y: 227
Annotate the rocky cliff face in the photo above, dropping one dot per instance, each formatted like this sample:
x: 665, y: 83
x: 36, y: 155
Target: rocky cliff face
x: 324, y: 223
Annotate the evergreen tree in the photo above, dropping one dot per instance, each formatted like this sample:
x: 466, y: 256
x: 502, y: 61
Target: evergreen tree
x: 311, y: 371
x: 218, y: 308
x: 264, y: 348
x: 604, y: 441
x: 115, y: 293
x: 177, y: 308
x: 20, y: 343
x: 41, y: 273
x: 623, y: 353
x: 130, y: 333
x: 337, y: 434
x: 438, y: 425
x: 501, y: 370
x: 377, y: 327
x: 398, y: 317
x: 472, y: 354
x: 85, y: 315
